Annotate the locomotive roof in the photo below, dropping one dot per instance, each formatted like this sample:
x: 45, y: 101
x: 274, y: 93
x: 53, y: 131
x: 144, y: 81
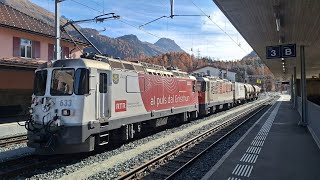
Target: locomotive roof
x: 117, y: 64
x: 81, y: 63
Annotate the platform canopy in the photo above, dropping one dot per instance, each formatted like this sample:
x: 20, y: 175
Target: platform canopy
x: 272, y: 22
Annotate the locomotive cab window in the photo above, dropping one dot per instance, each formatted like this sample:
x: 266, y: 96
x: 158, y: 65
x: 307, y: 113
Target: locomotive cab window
x: 40, y: 82
x: 82, y: 81
x: 193, y: 86
x: 62, y: 82
x: 103, y: 83
x: 201, y: 86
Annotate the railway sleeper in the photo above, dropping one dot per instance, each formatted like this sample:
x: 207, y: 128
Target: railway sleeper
x: 174, y: 164
x: 188, y: 154
x: 163, y: 171
x: 180, y: 159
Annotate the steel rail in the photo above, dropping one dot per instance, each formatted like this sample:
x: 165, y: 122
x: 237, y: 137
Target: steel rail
x: 12, y: 140
x: 164, y: 158
x: 25, y: 164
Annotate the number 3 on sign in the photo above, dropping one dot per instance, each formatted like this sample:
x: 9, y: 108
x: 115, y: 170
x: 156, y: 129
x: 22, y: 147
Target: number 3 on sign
x: 273, y: 52
x: 65, y: 103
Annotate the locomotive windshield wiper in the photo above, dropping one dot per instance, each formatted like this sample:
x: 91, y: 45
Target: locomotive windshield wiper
x: 99, y: 18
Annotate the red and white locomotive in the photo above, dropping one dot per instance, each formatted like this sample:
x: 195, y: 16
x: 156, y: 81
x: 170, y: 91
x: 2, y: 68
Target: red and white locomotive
x: 79, y: 104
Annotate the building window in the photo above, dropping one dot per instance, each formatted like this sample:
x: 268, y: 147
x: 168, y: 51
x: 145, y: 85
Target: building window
x: 26, y: 48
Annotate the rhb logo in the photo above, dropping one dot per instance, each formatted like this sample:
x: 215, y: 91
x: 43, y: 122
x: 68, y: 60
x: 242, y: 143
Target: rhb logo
x: 121, y: 105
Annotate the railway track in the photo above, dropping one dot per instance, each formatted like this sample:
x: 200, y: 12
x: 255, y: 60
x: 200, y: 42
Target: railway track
x: 11, y: 167
x: 13, y: 140
x: 26, y: 164
x: 21, y: 165
x: 171, y: 163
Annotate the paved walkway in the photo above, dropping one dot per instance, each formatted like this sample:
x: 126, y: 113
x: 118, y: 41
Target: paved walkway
x: 275, y: 148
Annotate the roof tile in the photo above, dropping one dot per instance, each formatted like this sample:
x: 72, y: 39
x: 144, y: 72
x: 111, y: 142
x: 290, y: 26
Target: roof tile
x: 12, y: 18
x: 21, y: 62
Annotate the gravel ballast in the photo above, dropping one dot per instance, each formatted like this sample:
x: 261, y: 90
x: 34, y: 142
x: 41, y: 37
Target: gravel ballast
x: 108, y: 164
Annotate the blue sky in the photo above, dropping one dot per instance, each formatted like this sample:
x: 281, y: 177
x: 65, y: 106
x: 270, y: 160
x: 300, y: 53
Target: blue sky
x: 196, y: 32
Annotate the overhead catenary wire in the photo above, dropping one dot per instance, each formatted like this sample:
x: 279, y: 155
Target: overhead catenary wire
x: 171, y: 15
x: 121, y: 20
x: 125, y: 22
x: 218, y: 26
x: 89, y: 7
x: 138, y: 28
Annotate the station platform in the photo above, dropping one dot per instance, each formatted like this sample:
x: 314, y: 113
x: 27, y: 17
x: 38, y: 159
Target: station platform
x: 12, y: 129
x: 276, y: 147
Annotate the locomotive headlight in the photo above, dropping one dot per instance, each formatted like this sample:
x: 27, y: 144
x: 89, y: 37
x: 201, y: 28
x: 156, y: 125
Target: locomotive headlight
x: 65, y: 112
x: 30, y: 110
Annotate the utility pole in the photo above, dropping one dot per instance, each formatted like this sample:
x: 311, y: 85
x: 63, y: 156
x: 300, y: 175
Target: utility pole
x: 264, y: 79
x: 57, y: 48
x: 245, y: 74
x: 303, y: 88
x: 227, y: 73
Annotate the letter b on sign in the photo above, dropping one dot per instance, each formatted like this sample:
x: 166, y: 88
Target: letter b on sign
x: 288, y: 50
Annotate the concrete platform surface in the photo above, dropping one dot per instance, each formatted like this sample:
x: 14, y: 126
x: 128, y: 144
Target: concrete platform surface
x: 11, y: 129
x: 275, y: 148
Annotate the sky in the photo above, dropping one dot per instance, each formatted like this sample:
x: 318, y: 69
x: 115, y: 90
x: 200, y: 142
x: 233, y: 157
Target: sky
x: 212, y: 36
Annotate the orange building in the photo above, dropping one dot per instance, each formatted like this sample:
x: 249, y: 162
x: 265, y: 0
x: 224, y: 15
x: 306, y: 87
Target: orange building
x: 25, y: 43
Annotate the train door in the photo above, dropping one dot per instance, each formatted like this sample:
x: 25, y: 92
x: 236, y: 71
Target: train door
x: 102, y: 98
x: 208, y: 92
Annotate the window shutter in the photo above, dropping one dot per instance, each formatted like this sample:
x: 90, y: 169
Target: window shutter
x: 16, y: 47
x: 50, y: 52
x: 65, y: 52
x: 35, y: 49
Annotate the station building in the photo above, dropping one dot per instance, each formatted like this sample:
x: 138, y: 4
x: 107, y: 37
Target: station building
x: 219, y: 72
x: 26, y: 42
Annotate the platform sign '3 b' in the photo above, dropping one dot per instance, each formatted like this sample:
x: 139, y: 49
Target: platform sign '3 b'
x: 281, y: 51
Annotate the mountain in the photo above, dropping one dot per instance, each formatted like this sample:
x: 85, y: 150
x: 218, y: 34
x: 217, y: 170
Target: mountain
x: 163, y: 45
x: 111, y: 46
x: 168, y: 45
x: 252, y: 54
x: 148, y: 49
x: 127, y: 46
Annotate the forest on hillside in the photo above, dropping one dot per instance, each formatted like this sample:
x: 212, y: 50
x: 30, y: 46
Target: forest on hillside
x: 250, y: 68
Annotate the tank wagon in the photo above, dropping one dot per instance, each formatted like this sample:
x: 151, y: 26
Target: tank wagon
x: 80, y: 104
x: 239, y: 93
x: 257, y: 90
